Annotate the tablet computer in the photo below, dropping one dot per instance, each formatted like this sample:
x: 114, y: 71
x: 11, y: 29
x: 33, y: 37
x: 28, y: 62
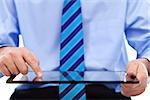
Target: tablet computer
x: 54, y: 77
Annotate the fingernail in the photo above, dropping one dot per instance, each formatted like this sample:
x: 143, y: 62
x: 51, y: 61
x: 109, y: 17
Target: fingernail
x: 39, y: 74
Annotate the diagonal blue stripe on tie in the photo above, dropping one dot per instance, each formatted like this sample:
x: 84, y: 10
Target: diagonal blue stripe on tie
x: 71, y: 19
x: 67, y: 65
x: 77, y: 63
x: 69, y: 12
x: 72, y: 90
x: 66, y: 90
x: 67, y: 5
x: 63, y: 43
x: 70, y: 28
x: 77, y: 91
x: 71, y: 44
x: 72, y: 52
x: 72, y: 76
x: 80, y: 93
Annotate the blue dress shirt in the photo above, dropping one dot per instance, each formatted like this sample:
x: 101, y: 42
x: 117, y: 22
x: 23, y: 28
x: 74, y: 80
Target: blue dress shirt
x: 106, y: 23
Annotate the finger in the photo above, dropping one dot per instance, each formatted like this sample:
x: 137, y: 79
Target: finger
x: 128, y: 89
x: 125, y: 91
x: 38, y: 79
x: 135, y: 89
x: 132, y: 91
x: 5, y: 71
x: 138, y: 90
x: 8, y: 61
x: 131, y: 71
x: 33, y: 62
x: 20, y: 63
x: 142, y: 74
x: 1, y: 65
x: 132, y: 68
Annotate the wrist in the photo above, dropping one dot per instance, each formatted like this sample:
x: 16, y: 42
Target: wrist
x: 4, y: 48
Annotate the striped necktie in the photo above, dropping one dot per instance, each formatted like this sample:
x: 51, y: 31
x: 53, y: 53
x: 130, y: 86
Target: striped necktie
x: 72, y: 52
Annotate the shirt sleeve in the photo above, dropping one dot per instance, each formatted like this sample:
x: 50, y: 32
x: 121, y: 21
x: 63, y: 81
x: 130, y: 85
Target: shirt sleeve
x: 9, y: 30
x: 137, y: 27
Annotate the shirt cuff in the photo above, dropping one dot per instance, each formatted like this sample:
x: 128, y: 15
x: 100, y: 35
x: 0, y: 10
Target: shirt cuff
x: 145, y: 55
x: 6, y: 45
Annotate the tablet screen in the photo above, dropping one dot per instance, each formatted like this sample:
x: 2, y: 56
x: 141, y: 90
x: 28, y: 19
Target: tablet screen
x: 88, y: 77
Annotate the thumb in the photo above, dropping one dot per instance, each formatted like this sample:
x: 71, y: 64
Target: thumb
x: 132, y: 70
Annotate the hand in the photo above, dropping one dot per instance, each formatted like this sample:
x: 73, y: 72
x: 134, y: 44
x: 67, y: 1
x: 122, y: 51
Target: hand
x: 14, y: 60
x: 138, y: 69
x: 38, y: 79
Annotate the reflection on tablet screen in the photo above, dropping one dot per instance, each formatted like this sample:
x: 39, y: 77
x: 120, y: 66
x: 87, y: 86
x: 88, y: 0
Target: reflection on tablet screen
x: 89, y: 77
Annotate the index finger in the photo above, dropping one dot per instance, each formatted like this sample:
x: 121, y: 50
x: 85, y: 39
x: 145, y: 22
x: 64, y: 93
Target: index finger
x: 33, y: 62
